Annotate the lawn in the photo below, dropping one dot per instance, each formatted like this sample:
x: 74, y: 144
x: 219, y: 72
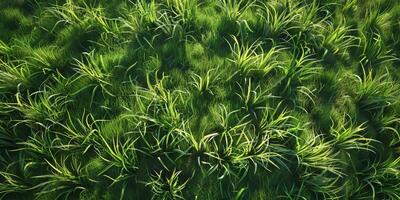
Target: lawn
x: 200, y: 99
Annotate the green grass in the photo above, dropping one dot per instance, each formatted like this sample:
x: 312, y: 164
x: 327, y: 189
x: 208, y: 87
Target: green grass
x: 199, y: 99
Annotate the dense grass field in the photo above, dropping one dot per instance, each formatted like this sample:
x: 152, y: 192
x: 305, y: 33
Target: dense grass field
x: 200, y: 99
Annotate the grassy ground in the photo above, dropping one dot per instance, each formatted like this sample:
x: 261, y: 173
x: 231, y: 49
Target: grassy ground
x: 199, y: 99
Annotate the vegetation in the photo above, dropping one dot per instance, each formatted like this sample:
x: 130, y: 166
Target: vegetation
x: 199, y: 99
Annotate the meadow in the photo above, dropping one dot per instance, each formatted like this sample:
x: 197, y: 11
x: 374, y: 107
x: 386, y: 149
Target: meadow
x: 199, y: 99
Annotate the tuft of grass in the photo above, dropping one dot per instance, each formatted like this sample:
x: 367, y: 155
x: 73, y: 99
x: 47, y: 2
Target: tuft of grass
x: 234, y: 9
x: 67, y: 180
x: 348, y: 136
x: 275, y: 122
x: 373, y: 51
x: 13, y: 76
x: 338, y: 40
x: 40, y: 108
x: 94, y: 70
x: 314, y: 153
x: 167, y: 185
x: 375, y: 92
x: 204, y: 84
x: 119, y: 154
x: 251, y: 59
x: 276, y: 22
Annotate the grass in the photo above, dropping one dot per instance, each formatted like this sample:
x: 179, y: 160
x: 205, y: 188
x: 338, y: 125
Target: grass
x: 190, y: 99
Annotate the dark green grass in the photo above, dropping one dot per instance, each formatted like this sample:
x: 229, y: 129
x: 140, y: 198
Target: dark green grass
x: 190, y: 99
